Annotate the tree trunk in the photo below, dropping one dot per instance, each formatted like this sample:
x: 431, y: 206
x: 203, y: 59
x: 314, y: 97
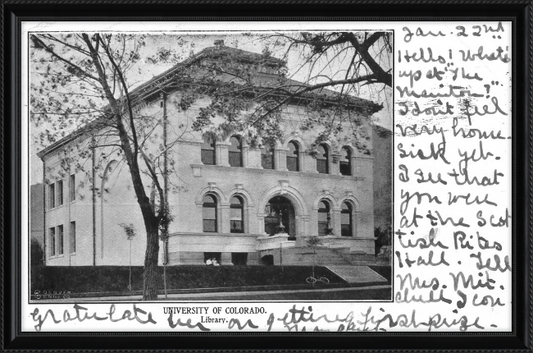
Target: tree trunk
x: 150, y: 274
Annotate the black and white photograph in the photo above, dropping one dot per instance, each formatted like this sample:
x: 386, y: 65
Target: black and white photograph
x: 210, y: 165
x: 283, y: 177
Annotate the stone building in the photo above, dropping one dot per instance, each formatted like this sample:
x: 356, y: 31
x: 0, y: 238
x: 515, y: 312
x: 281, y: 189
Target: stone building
x: 234, y: 200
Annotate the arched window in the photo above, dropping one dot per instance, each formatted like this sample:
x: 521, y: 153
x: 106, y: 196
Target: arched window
x: 236, y: 215
x: 324, y: 218
x: 293, y: 157
x: 208, y: 150
x: 209, y: 213
x: 235, y: 152
x: 267, y: 157
x: 346, y: 161
x: 322, y: 159
x: 346, y: 219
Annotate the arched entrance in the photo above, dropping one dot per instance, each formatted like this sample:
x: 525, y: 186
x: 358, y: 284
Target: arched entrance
x: 280, y: 217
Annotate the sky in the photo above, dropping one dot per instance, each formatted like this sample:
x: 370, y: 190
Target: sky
x: 185, y: 45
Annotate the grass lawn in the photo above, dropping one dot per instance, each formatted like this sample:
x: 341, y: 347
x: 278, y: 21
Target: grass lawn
x: 115, y: 279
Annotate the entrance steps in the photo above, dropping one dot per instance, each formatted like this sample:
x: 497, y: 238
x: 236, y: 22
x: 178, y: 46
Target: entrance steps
x: 305, y: 256
x: 357, y: 274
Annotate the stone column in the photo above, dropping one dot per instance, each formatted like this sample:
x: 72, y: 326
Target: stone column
x: 356, y: 222
x: 223, y: 222
x: 334, y: 165
x: 245, y: 155
x: 260, y: 224
x: 222, y: 156
x: 353, y: 166
x: 254, y: 158
x: 280, y: 159
x: 336, y: 221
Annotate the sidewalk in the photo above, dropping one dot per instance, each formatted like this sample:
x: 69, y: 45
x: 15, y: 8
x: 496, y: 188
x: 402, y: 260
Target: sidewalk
x: 218, y: 295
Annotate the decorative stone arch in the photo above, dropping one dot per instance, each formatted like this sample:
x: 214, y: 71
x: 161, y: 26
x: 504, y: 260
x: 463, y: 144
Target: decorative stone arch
x: 348, y: 146
x: 352, y: 150
x: 351, y: 199
x: 302, y: 148
x: 297, y: 138
x: 248, y: 204
x: 325, y: 195
x: 240, y: 191
x: 334, y: 212
x: 244, y: 146
x: 221, y: 201
x: 297, y: 200
x: 213, y: 134
x: 211, y: 189
x: 211, y: 160
x: 331, y: 156
x: 356, y: 211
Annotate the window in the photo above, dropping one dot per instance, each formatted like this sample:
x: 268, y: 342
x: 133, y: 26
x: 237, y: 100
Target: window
x: 235, y: 152
x: 212, y: 258
x: 267, y: 157
x: 52, y: 232
x: 293, y: 157
x: 239, y: 258
x: 72, y: 188
x: 322, y: 160
x: 208, y: 150
x: 72, y: 234
x: 209, y: 212
x: 323, y: 218
x: 346, y: 161
x: 346, y: 219
x: 60, y: 240
x: 51, y: 196
x: 236, y: 215
x: 59, y: 192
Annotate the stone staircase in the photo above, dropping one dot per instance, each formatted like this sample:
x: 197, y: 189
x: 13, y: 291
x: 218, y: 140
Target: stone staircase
x: 305, y: 256
x: 357, y: 274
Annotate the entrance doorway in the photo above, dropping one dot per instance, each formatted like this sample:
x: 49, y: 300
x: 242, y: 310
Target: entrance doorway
x: 280, y: 217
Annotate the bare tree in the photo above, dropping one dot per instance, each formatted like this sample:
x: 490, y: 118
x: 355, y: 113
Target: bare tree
x: 83, y: 83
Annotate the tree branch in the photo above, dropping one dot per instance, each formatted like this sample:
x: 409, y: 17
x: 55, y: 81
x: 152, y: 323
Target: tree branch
x: 39, y: 43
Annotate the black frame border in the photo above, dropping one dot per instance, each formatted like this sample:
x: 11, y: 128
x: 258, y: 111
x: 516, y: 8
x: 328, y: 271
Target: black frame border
x: 519, y: 11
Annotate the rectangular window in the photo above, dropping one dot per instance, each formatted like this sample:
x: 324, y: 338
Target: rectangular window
x: 322, y: 228
x: 72, y: 237
x: 235, y: 159
x: 236, y: 224
x: 51, y: 195
x: 346, y: 230
x: 292, y: 163
x: 346, y: 224
x: 60, y: 192
x: 208, y: 156
x: 239, y: 258
x: 210, y: 220
x: 345, y: 168
x: 210, y: 225
x: 72, y: 188
x: 322, y: 166
x: 52, y: 232
x: 212, y: 258
x: 60, y: 240
x: 322, y: 223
